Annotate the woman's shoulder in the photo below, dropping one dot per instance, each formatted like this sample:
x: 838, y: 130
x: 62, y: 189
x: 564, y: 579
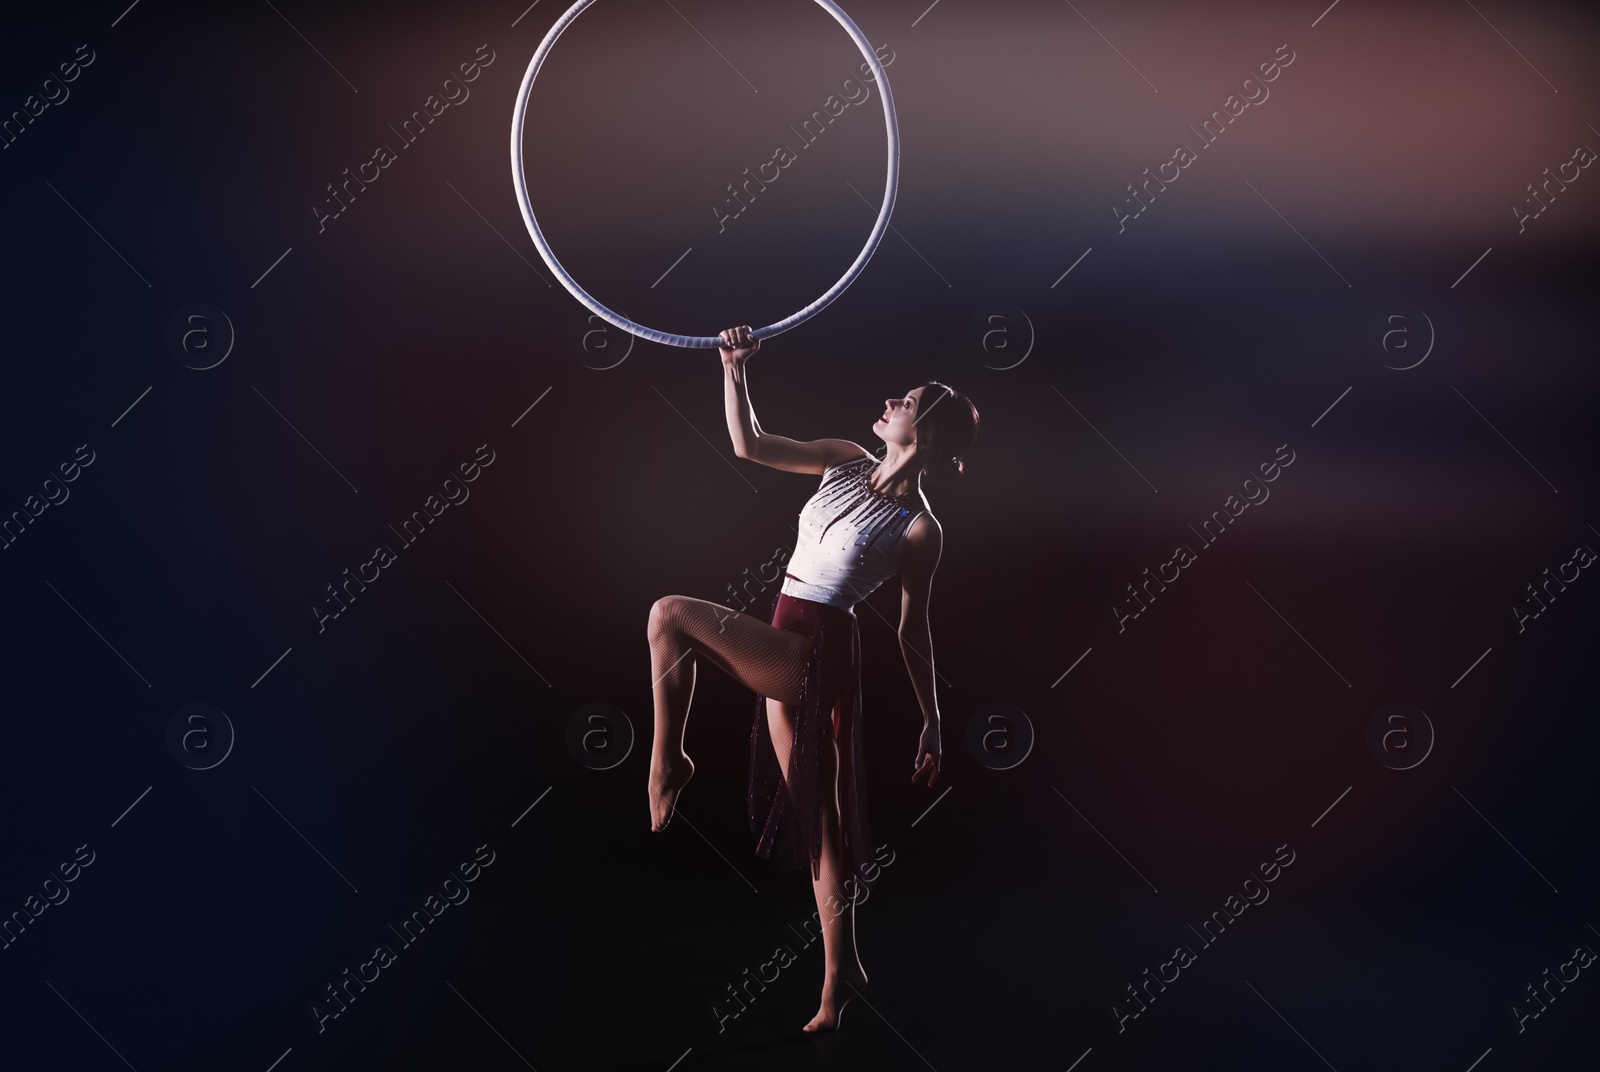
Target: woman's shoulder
x: 924, y: 526
x: 922, y: 549
x: 861, y: 458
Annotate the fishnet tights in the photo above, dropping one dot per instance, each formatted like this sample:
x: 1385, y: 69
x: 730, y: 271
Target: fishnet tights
x: 764, y: 659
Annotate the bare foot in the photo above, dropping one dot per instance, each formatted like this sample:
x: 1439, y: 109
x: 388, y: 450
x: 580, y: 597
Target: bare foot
x: 667, y: 778
x: 837, y: 992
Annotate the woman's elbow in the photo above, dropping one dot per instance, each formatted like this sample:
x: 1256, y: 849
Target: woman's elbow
x: 915, y: 632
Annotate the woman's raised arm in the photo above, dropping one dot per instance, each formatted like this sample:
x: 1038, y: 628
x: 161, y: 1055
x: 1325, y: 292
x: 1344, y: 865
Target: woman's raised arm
x: 749, y: 441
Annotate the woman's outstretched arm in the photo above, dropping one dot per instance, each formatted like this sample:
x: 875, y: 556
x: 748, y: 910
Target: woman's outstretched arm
x: 924, y: 543
x: 749, y: 441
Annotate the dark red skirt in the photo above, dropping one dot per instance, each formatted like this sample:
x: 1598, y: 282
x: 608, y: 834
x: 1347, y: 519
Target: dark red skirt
x: 787, y: 824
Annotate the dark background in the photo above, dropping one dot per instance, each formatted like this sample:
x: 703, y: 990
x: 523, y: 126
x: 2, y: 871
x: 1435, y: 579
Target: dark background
x: 375, y: 756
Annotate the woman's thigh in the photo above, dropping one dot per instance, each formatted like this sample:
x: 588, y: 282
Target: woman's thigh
x: 763, y: 658
x: 780, y: 724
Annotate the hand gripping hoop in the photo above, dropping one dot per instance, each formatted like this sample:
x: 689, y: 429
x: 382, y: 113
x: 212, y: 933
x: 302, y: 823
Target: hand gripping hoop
x: 890, y: 185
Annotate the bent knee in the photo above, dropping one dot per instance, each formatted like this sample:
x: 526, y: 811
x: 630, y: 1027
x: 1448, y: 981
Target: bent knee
x: 665, y: 613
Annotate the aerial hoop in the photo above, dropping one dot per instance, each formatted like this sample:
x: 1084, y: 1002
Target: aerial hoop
x: 520, y: 179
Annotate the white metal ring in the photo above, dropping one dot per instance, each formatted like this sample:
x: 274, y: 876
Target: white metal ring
x: 891, y: 183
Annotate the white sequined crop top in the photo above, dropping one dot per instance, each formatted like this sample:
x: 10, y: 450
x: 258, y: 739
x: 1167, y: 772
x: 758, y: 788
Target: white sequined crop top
x: 850, y: 537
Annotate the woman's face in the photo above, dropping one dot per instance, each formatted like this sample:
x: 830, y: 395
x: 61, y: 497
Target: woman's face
x: 898, y: 423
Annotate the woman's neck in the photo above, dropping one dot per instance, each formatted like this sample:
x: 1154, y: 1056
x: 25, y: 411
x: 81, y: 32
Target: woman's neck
x: 896, y: 473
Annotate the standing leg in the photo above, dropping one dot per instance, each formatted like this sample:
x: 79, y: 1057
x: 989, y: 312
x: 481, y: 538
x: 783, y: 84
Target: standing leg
x: 842, y: 975
x: 764, y: 659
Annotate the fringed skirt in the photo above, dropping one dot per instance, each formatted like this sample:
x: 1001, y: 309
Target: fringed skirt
x: 787, y: 825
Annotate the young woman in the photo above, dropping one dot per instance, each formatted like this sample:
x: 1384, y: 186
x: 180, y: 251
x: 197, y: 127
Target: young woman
x: 866, y: 522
